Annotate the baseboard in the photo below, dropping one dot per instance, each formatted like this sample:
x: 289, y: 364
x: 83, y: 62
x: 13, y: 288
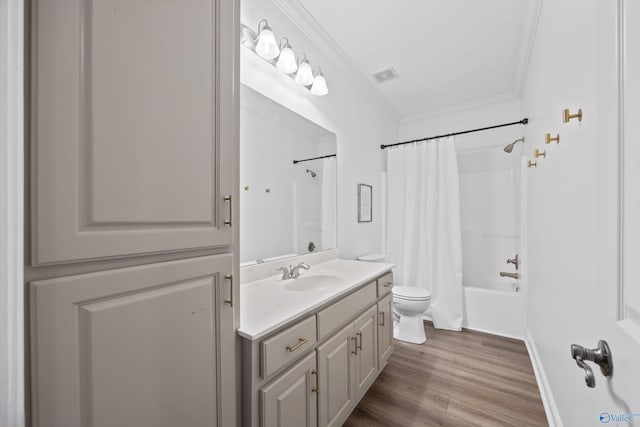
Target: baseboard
x: 493, y: 333
x: 550, y: 408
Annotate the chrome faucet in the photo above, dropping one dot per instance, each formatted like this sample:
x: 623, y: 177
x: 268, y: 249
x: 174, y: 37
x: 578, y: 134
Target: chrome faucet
x: 286, y: 275
x: 295, y: 271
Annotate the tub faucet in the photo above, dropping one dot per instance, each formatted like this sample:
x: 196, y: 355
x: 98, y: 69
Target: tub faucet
x: 512, y: 275
x: 295, y: 271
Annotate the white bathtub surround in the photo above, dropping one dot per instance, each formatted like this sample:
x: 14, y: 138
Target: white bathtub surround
x: 423, y: 225
x: 494, y: 311
x: 329, y: 206
x: 268, y: 302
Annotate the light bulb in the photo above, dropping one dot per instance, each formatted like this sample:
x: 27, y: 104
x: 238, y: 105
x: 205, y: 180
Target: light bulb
x: 287, y: 61
x: 267, y: 46
x: 305, y: 74
x: 319, y: 87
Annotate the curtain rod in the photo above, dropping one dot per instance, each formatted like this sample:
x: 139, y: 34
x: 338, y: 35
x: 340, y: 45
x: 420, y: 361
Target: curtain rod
x: 521, y: 122
x: 295, y: 162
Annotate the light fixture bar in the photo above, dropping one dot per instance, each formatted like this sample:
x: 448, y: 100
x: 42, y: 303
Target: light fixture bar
x: 263, y: 43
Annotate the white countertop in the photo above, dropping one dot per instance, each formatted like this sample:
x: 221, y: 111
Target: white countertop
x: 266, y: 304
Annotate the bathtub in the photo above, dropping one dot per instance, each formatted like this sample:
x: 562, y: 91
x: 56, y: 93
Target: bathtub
x: 496, y: 308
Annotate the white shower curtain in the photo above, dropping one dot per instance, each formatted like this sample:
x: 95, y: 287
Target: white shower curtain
x: 423, y: 225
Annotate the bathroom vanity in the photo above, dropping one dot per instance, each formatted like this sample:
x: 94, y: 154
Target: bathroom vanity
x: 312, y: 346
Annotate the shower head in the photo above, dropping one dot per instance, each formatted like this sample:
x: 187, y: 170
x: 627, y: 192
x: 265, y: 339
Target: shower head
x: 509, y: 147
x: 312, y: 173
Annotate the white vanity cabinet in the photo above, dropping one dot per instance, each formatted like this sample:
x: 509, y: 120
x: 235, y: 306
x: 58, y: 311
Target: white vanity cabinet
x: 336, y: 369
x: 385, y: 330
x: 366, y: 354
x: 290, y: 400
x: 347, y: 366
x: 315, y: 369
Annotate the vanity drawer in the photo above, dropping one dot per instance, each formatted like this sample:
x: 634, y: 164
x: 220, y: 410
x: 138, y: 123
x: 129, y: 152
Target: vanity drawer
x: 286, y: 346
x: 337, y: 314
x: 385, y: 283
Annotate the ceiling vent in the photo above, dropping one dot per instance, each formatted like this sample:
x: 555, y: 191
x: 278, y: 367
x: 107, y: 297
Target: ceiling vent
x: 385, y: 75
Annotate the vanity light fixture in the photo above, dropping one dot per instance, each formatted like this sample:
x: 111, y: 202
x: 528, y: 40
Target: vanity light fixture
x: 319, y: 87
x: 287, y: 59
x: 266, y: 46
x: 304, y: 76
x: 281, y: 56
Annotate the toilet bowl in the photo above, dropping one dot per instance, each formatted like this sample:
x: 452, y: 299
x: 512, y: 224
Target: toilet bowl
x: 409, y: 303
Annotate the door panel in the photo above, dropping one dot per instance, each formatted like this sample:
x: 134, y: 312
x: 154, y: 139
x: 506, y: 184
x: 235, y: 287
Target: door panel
x: 366, y: 362
x: 385, y: 331
x: 336, y: 395
x: 127, y: 152
x: 289, y: 400
x: 130, y: 347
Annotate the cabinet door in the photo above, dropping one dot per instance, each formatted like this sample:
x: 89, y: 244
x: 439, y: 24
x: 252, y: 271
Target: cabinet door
x: 290, y: 400
x: 134, y: 347
x: 366, y: 361
x: 132, y: 147
x: 336, y: 388
x: 385, y: 331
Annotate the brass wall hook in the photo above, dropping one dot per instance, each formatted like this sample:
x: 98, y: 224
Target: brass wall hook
x: 549, y: 139
x: 566, y: 115
x: 532, y: 164
x: 537, y: 153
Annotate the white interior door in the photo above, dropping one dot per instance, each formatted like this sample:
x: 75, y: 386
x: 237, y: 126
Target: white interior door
x: 575, y: 291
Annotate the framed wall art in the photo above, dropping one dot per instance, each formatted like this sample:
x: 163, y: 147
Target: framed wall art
x: 365, y: 203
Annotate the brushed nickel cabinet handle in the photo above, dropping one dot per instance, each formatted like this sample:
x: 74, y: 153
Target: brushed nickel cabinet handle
x: 381, y: 314
x: 229, y: 301
x: 359, y: 346
x: 355, y: 345
x: 316, y: 388
x: 228, y: 221
x: 387, y: 284
x: 301, y: 342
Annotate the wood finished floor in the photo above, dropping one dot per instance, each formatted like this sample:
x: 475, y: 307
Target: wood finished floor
x: 455, y: 379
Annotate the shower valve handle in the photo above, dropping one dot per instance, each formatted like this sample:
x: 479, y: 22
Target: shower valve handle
x: 515, y: 261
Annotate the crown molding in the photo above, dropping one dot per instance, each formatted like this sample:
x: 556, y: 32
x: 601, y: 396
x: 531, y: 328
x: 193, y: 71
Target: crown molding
x: 301, y: 17
x: 531, y: 17
x: 467, y: 106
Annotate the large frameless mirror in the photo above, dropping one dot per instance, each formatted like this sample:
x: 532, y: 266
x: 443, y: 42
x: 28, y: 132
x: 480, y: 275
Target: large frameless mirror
x: 287, y: 182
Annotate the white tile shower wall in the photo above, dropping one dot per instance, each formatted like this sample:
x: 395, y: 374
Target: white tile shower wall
x: 489, y: 205
x: 359, y: 121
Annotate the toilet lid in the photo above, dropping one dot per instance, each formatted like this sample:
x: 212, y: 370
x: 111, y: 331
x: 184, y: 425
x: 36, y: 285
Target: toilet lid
x: 372, y: 257
x: 411, y: 293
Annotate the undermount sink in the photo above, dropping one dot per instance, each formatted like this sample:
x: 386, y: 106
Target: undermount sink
x: 316, y: 282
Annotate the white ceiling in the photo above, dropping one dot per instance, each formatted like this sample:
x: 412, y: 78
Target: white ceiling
x: 449, y: 54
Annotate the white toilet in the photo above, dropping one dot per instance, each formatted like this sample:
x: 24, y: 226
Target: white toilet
x: 409, y: 303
